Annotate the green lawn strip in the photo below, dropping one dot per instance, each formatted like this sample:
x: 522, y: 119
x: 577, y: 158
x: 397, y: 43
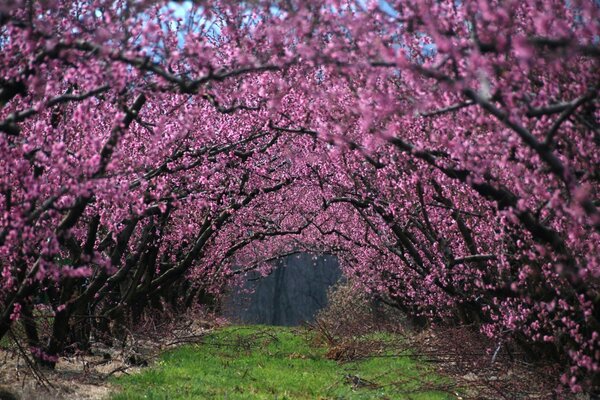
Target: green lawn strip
x: 257, y: 362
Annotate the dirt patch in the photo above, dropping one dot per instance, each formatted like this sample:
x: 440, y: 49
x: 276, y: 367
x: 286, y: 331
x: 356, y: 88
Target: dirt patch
x: 485, y: 370
x: 85, y: 376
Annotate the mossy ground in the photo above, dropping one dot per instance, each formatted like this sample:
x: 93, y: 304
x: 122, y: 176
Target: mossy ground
x: 257, y: 362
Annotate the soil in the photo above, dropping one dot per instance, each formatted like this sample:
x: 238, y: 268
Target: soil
x: 86, y: 376
x: 465, y: 356
x: 488, y: 370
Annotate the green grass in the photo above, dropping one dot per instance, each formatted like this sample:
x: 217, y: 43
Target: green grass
x: 254, y: 362
x: 5, y: 342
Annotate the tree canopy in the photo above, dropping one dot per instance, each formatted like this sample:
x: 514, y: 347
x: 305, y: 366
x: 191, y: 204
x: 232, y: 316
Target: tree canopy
x: 446, y: 152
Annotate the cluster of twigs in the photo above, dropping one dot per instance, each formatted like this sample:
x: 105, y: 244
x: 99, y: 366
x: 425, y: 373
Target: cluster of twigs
x: 483, y: 368
x: 136, y: 348
x: 478, y: 367
x: 20, y: 351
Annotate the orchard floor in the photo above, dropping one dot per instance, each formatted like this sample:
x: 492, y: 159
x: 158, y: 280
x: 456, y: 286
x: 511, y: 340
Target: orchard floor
x: 257, y: 362
x: 199, y: 359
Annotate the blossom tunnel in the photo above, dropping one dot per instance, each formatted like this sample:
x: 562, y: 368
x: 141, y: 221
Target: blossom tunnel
x: 447, y: 153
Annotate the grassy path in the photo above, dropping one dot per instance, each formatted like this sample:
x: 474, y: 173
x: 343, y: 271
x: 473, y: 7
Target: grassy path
x: 253, y: 362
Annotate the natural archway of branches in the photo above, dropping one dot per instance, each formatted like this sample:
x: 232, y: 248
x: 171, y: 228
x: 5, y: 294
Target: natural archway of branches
x: 446, y: 152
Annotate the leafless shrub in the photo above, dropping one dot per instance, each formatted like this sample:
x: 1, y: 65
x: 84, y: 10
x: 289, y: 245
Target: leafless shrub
x: 343, y: 326
x: 352, y: 312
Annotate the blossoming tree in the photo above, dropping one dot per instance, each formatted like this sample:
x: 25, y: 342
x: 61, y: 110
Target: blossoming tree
x: 446, y: 151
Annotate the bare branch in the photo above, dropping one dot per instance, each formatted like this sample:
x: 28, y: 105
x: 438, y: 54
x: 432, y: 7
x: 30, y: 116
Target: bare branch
x: 9, y: 125
x: 572, y: 106
x: 448, y: 109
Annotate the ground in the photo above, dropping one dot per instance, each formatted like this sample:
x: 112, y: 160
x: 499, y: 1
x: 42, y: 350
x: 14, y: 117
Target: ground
x: 255, y: 362
x: 196, y: 359
x: 85, y: 376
